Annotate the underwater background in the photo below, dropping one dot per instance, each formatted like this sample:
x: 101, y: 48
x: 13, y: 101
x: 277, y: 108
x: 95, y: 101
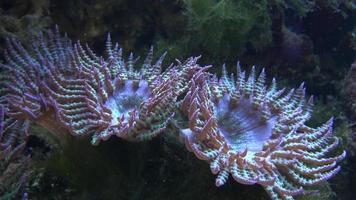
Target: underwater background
x: 294, y: 40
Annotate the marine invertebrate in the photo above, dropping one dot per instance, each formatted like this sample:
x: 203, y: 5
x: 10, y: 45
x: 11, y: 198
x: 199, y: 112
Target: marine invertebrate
x: 243, y: 128
x: 13, y: 162
x: 23, y: 75
x: 55, y: 80
x: 258, y: 133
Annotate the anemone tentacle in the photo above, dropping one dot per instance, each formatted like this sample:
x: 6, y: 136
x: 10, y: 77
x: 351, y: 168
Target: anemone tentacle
x: 258, y: 133
x: 13, y: 162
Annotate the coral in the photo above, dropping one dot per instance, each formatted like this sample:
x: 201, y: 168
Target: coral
x: 89, y: 95
x: 258, y: 133
x: 13, y: 162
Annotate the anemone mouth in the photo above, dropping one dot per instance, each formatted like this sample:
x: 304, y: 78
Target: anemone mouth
x: 242, y: 125
x: 127, y: 98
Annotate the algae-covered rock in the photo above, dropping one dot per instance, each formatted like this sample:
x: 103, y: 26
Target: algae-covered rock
x: 21, y: 18
x: 223, y: 29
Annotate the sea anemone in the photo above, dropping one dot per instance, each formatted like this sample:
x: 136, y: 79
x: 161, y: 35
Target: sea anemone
x: 258, y: 133
x: 65, y: 86
x: 241, y: 127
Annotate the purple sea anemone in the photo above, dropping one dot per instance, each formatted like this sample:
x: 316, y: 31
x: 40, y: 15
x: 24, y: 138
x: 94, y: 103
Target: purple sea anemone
x: 258, y: 133
x: 239, y: 125
x: 64, y: 86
